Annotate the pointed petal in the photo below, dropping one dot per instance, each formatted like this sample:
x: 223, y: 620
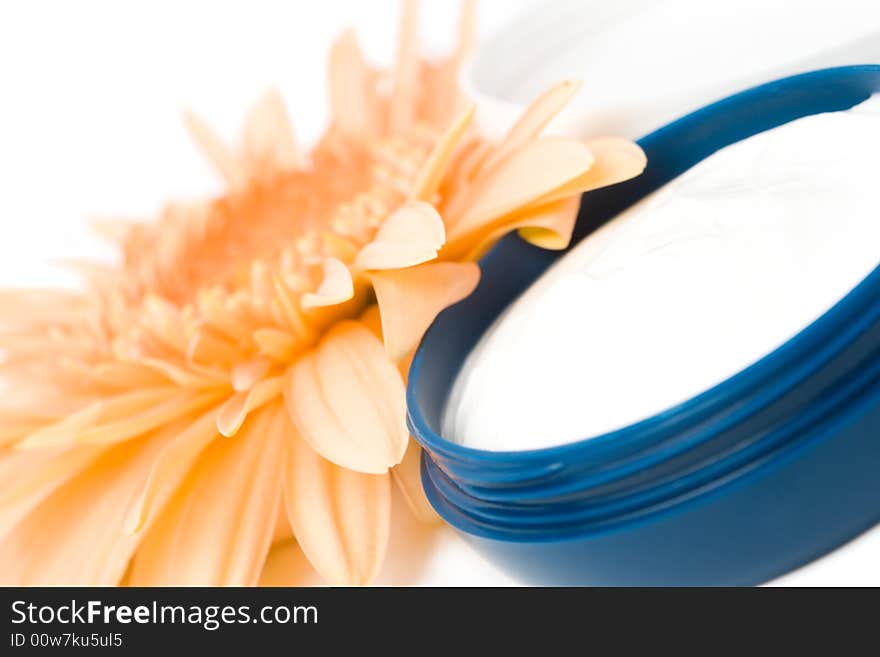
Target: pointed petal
x: 111, y: 410
x: 33, y: 306
x: 289, y: 309
x: 410, y: 299
x: 410, y: 236
x: 276, y: 344
x: 283, y: 532
x: 337, y: 246
x: 336, y: 287
x: 340, y: 518
x: 408, y: 477
x: 183, y: 376
x: 163, y: 319
x: 121, y: 374
x: 465, y: 169
x: 221, y: 156
x: 467, y: 29
x: 16, y: 426
x: 616, y: 160
x: 182, y: 405
x: 437, y: 164
x: 549, y: 226
x: 352, y: 105
x: 286, y: 565
x: 269, y: 142
x: 372, y: 319
x: 74, y: 537
x: 235, y: 410
x: 92, y: 274
x: 528, y: 175
x: 533, y: 121
x: 217, y: 529
x: 172, y: 464
x: 247, y: 374
x: 114, y: 231
x: 404, y: 96
x: 29, y: 477
x: 207, y: 347
x: 346, y: 399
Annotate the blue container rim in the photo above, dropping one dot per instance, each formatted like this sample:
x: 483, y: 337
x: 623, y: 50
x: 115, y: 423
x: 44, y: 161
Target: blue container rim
x: 833, y: 373
x: 846, y: 93
x: 580, y: 515
x: 464, y: 520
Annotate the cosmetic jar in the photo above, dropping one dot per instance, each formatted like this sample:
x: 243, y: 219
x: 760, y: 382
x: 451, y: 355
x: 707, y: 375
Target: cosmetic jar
x: 750, y: 479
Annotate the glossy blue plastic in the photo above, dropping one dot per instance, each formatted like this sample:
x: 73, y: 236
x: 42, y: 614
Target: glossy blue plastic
x: 748, y: 480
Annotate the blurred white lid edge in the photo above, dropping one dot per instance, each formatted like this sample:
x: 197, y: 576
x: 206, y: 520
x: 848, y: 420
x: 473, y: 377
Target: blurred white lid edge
x: 534, y: 47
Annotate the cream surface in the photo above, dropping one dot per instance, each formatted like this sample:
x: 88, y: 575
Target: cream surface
x: 682, y: 291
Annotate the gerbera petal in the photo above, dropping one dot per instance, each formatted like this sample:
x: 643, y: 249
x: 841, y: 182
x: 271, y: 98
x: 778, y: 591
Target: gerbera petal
x: 207, y: 347
x: 346, y: 399
x: 114, y: 231
x: 45, y: 402
x: 548, y: 226
x: 216, y: 315
x: 217, y: 529
x: 27, y: 307
x: 283, y: 532
x: 221, y: 156
x: 404, y: 102
x: 183, y: 404
x: 247, y: 374
x: 408, y: 477
x: 104, y: 411
x: 94, y: 274
x: 372, y: 319
x: 29, y: 477
x: 410, y: 299
x: 184, y: 377
x: 172, y: 464
x: 435, y: 167
x: 74, y: 537
x: 336, y: 287
x: 235, y: 410
x: 164, y: 321
x: 616, y: 160
x: 533, y: 121
x: 17, y: 426
x: 349, y: 80
x: 340, y: 518
x: 410, y: 236
x: 540, y: 167
x: 276, y: 344
x: 269, y: 142
x: 467, y: 29
x: 338, y: 246
x: 287, y: 565
x: 289, y: 309
x: 116, y: 373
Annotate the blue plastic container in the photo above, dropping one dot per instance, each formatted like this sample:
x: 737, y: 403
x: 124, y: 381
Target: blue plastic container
x: 748, y: 480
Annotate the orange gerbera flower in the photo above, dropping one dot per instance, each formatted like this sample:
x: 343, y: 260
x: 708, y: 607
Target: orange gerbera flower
x: 245, y: 362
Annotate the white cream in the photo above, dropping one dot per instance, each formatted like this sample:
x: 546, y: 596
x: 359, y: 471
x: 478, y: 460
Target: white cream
x: 646, y: 62
x: 682, y: 291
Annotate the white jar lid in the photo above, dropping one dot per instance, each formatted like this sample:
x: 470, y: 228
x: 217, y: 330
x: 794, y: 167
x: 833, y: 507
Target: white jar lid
x: 646, y: 62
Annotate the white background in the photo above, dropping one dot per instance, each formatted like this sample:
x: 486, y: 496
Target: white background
x: 90, y: 100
